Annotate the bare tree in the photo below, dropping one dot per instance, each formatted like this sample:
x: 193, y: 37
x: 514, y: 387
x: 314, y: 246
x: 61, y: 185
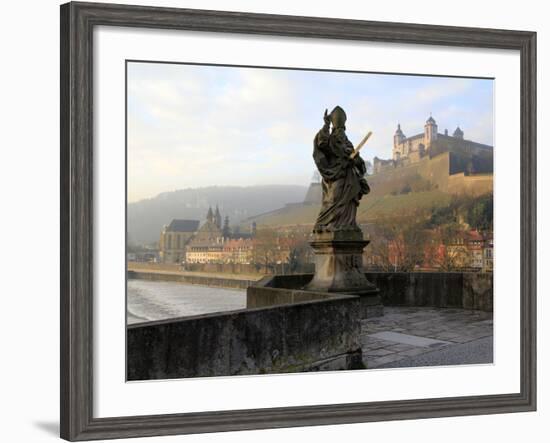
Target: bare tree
x: 452, y: 253
x: 399, y: 243
x: 265, y: 250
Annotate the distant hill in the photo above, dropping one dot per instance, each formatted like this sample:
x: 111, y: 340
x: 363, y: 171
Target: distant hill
x: 147, y: 217
x: 371, y: 207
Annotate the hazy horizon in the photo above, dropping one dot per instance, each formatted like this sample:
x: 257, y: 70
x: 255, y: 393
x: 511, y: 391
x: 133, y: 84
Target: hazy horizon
x: 265, y: 119
x: 193, y: 188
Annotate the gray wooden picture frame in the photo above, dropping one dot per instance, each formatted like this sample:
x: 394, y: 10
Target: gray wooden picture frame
x: 77, y: 23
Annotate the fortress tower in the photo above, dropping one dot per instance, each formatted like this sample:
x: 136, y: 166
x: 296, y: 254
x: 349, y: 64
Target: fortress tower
x: 430, y: 132
x: 398, y: 137
x: 458, y: 133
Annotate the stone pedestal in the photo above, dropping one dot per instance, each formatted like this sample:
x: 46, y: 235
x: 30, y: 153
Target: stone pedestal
x: 339, y: 268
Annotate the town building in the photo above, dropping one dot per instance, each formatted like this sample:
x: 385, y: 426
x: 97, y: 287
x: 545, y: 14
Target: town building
x: 205, y: 252
x: 475, y: 247
x: 471, y: 250
x: 214, y: 243
x: 188, y: 241
x: 488, y: 255
x: 238, y: 251
x: 206, y: 245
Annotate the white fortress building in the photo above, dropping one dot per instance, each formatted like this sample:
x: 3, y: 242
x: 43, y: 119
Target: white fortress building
x: 418, y: 145
x: 430, y: 143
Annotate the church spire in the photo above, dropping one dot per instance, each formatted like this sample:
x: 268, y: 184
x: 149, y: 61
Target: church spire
x: 218, y: 217
x: 210, y: 215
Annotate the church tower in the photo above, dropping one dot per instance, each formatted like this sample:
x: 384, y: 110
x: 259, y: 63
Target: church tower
x: 210, y: 215
x: 218, y: 218
x: 430, y: 132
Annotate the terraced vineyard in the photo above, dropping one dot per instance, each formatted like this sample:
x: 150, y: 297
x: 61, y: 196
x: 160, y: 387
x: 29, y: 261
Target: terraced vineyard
x: 371, y: 207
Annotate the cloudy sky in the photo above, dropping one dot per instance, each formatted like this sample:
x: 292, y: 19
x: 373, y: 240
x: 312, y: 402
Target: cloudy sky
x: 194, y: 126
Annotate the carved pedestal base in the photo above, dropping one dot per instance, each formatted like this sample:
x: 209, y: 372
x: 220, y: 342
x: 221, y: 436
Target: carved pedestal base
x: 339, y: 268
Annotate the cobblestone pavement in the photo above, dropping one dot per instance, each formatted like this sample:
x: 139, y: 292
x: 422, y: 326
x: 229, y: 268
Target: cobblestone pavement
x: 404, y: 333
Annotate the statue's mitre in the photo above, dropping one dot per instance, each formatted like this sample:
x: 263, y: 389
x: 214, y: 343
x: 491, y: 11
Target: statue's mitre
x: 338, y: 117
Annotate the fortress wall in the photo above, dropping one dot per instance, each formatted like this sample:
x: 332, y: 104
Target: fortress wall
x: 415, y: 144
x: 405, y: 169
x: 478, y: 184
x: 390, y: 179
x: 436, y: 170
x: 415, y: 156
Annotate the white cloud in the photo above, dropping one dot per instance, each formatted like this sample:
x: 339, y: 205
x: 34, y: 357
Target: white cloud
x: 182, y: 133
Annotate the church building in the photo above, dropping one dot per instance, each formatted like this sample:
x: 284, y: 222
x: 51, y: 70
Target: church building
x: 174, y: 238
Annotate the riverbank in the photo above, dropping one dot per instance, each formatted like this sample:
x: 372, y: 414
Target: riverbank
x: 177, y: 269
x: 232, y: 281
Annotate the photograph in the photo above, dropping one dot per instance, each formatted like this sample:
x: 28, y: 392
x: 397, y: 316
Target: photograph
x: 283, y: 220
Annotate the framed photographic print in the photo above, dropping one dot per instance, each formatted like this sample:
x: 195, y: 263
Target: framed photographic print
x: 273, y: 221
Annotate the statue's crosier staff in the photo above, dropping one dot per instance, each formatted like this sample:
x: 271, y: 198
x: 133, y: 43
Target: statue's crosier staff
x: 360, y: 145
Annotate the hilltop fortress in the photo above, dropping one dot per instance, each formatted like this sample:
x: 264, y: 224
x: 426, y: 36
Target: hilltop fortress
x: 407, y: 150
x: 449, y: 163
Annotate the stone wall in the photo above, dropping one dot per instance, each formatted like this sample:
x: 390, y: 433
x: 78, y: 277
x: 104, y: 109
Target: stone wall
x: 231, y: 268
x: 437, y: 170
x: 282, y: 289
x: 146, y: 266
x: 477, y: 184
x: 466, y: 290
x: 289, y: 338
x: 192, y: 279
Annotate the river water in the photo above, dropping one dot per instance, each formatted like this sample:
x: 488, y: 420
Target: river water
x: 157, y: 300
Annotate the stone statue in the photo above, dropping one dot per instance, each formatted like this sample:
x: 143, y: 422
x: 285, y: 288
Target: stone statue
x: 343, y: 173
x: 338, y: 241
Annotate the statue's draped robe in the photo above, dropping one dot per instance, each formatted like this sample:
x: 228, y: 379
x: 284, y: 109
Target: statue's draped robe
x: 343, y: 184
